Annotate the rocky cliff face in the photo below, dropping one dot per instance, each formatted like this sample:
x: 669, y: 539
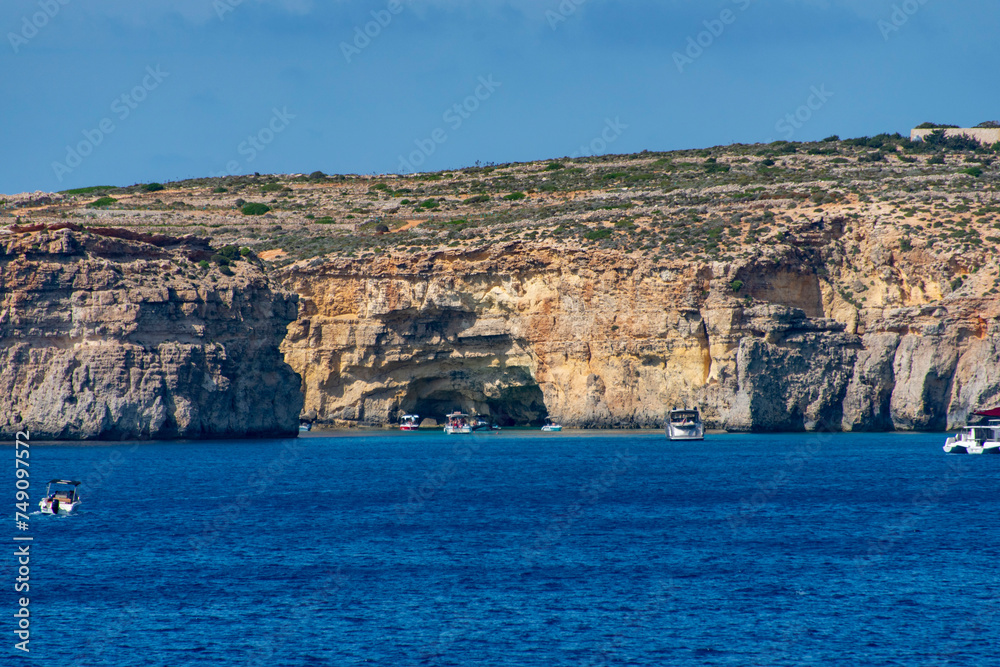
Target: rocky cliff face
x: 836, y: 284
x: 602, y: 339
x: 112, y: 338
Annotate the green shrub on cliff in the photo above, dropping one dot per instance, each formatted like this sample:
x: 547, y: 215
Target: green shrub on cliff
x: 102, y: 202
x: 152, y: 187
x: 254, y: 208
x: 88, y: 191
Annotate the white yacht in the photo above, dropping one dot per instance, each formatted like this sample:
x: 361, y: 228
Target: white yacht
x: 685, y: 425
x: 980, y: 439
x: 62, y: 499
x: 457, y: 423
x: 551, y: 426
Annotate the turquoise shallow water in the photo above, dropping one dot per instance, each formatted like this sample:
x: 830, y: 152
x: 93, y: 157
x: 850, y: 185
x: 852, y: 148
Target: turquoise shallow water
x: 519, y: 549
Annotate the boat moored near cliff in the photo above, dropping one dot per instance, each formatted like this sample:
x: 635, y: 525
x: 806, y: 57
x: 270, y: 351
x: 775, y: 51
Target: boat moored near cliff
x: 482, y: 425
x: 685, y: 425
x: 409, y: 422
x: 457, y: 423
x: 981, y: 439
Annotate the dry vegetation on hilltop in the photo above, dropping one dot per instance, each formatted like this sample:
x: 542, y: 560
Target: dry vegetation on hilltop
x: 720, y: 204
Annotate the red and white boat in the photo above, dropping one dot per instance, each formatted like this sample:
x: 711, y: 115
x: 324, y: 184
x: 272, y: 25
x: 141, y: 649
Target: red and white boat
x: 409, y: 422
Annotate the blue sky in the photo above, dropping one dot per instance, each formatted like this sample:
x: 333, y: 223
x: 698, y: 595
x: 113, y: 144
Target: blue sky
x: 119, y: 92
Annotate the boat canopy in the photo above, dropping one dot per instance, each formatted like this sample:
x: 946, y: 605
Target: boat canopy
x: 994, y: 412
x: 65, y: 481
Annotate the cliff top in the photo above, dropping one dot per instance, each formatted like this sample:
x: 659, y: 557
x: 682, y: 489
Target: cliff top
x: 883, y: 202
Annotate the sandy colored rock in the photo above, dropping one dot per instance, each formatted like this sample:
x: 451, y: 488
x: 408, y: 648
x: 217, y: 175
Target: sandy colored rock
x: 112, y: 338
x: 600, y: 339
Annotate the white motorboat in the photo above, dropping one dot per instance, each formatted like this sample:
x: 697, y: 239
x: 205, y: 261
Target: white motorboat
x: 457, y: 423
x: 980, y: 439
x: 409, y: 422
x: 551, y: 426
x: 685, y: 425
x: 61, y: 497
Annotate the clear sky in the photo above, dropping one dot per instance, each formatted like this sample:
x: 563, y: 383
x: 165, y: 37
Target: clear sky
x: 116, y: 92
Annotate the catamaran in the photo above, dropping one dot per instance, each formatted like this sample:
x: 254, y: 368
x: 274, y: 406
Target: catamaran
x: 979, y: 439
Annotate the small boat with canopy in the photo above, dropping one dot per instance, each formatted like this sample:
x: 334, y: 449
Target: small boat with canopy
x: 61, y: 497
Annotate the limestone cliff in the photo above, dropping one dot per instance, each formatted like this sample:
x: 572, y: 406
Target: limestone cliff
x: 601, y: 339
x: 837, y: 284
x: 112, y: 338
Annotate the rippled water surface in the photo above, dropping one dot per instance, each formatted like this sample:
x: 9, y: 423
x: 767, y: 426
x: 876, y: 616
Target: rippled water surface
x: 519, y: 549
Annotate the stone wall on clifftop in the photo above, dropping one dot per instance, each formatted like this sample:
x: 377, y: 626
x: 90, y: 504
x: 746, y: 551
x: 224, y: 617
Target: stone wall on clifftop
x: 114, y: 338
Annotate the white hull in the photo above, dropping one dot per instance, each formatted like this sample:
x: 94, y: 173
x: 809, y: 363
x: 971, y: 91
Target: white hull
x: 976, y: 440
x: 457, y: 430
x: 696, y: 432
x: 551, y: 429
x: 45, y: 506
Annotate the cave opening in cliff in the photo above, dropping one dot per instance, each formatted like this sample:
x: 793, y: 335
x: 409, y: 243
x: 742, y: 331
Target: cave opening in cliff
x: 517, y: 405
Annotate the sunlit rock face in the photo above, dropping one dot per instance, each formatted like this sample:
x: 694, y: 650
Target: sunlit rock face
x: 597, y: 338
x: 114, y: 338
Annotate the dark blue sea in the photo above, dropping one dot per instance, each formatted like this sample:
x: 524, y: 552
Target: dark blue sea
x: 523, y: 548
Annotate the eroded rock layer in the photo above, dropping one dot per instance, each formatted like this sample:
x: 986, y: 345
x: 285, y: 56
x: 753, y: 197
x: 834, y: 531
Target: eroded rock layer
x: 113, y: 338
x: 600, y: 339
